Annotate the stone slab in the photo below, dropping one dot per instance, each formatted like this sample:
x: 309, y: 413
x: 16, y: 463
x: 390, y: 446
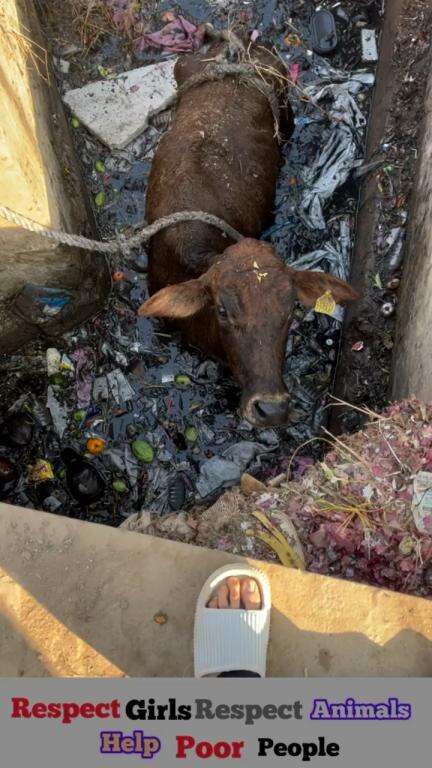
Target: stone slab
x: 79, y: 599
x: 117, y: 110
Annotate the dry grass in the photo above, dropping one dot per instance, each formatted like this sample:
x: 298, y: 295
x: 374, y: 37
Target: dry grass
x: 92, y: 20
x: 30, y: 50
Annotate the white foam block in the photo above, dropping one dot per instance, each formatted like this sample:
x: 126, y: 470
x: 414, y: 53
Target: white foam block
x: 369, y: 45
x: 117, y: 110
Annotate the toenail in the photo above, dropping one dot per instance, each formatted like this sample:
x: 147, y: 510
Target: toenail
x: 251, y: 586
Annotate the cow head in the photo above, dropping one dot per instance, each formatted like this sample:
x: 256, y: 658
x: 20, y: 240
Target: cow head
x: 250, y: 294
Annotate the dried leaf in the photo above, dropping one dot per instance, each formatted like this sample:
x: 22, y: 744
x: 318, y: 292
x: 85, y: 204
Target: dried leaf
x: 286, y: 553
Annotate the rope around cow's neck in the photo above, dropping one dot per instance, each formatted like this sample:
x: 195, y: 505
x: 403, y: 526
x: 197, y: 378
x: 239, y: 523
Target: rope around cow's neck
x: 218, y: 70
x: 120, y: 244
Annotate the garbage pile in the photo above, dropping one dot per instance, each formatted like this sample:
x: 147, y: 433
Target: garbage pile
x: 122, y: 415
x: 363, y: 513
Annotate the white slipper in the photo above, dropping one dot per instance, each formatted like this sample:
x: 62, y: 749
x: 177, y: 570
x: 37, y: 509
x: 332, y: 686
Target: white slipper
x: 229, y: 639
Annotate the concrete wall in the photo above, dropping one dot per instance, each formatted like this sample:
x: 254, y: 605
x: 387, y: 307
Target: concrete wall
x: 351, y: 382
x: 38, y: 175
x: 97, y: 620
x: 412, y: 362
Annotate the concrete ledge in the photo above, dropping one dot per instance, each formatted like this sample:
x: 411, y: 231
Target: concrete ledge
x: 78, y: 599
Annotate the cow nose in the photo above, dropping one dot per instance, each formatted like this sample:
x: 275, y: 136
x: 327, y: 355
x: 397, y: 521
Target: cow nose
x: 271, y: 411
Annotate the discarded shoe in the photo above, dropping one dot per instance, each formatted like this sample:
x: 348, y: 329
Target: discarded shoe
x: 84, y: 481
x: 176, y: 493
x: 323, y: 32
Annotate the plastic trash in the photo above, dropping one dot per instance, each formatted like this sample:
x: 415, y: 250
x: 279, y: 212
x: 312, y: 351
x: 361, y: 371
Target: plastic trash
x: 394, y: 247
x: 9, y: 476
x: 84, y: 481
x: 325, y: 73
x: 100, y: 389
x: 39, y: 304
x: 119, y: 387
x: 338, y: 157
x: 422, y: 502
x: 41, y: 471
x: 83, y: 360
x: 58, y: 413
x: 17, y: 430
x: 323, y: 32
x: 244, y: 453
x: 177, y: 493
x: 341, y: 13
x: 131, y: 466
x: 387, y: 309
x: 369, y: 45
x: 52, y: 504
x: 331, y: 258
x: 66, y: 364
x: 178, y: 36
x: 114, y: 354
x: 218, y: 473
x: 53, y: 361
x: 328, y: 172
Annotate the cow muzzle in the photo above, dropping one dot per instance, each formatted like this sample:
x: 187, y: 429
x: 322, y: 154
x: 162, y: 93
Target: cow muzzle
x: 267, y: 410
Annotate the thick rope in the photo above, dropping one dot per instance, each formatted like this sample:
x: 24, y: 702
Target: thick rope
x: 244, y: 70
x: 122, y: 244
x: 216, y: 70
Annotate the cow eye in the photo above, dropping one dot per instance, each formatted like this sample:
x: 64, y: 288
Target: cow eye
x: 222, y: 311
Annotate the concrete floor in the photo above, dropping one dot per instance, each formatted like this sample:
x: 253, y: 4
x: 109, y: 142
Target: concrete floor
x: 78, y: 599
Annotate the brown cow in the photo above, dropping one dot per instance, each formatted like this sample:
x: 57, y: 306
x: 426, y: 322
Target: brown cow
x: 222, y: 156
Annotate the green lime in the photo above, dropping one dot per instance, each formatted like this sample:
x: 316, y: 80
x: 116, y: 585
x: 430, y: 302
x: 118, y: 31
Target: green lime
x: 99, y: 166
x: 120, y: 487
x: 58, y: 380
x: 142, y: 451
x: 100, y: 199
x: 191, y: 434
x: 182, y: 380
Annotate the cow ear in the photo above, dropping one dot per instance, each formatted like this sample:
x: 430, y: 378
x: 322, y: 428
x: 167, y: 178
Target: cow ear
x: 176, y: 301
x: 310, y: 286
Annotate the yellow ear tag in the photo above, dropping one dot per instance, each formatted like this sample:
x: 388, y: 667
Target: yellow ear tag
x: 325, y: 304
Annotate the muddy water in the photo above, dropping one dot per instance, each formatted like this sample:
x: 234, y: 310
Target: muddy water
x: 150, y: 354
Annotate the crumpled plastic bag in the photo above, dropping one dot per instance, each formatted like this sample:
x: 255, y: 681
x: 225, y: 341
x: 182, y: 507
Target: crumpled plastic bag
x: 58, y: 413
x: 331, y: 258
x: 114, y: 384
x: 328, y: 74
x: 218, y: 473
x: 84, y: 364
x: 338, y: 157
x: 179, y: 36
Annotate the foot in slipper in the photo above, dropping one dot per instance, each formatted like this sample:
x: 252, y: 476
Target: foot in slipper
x: 232, y: 623
x: 237, y: 593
